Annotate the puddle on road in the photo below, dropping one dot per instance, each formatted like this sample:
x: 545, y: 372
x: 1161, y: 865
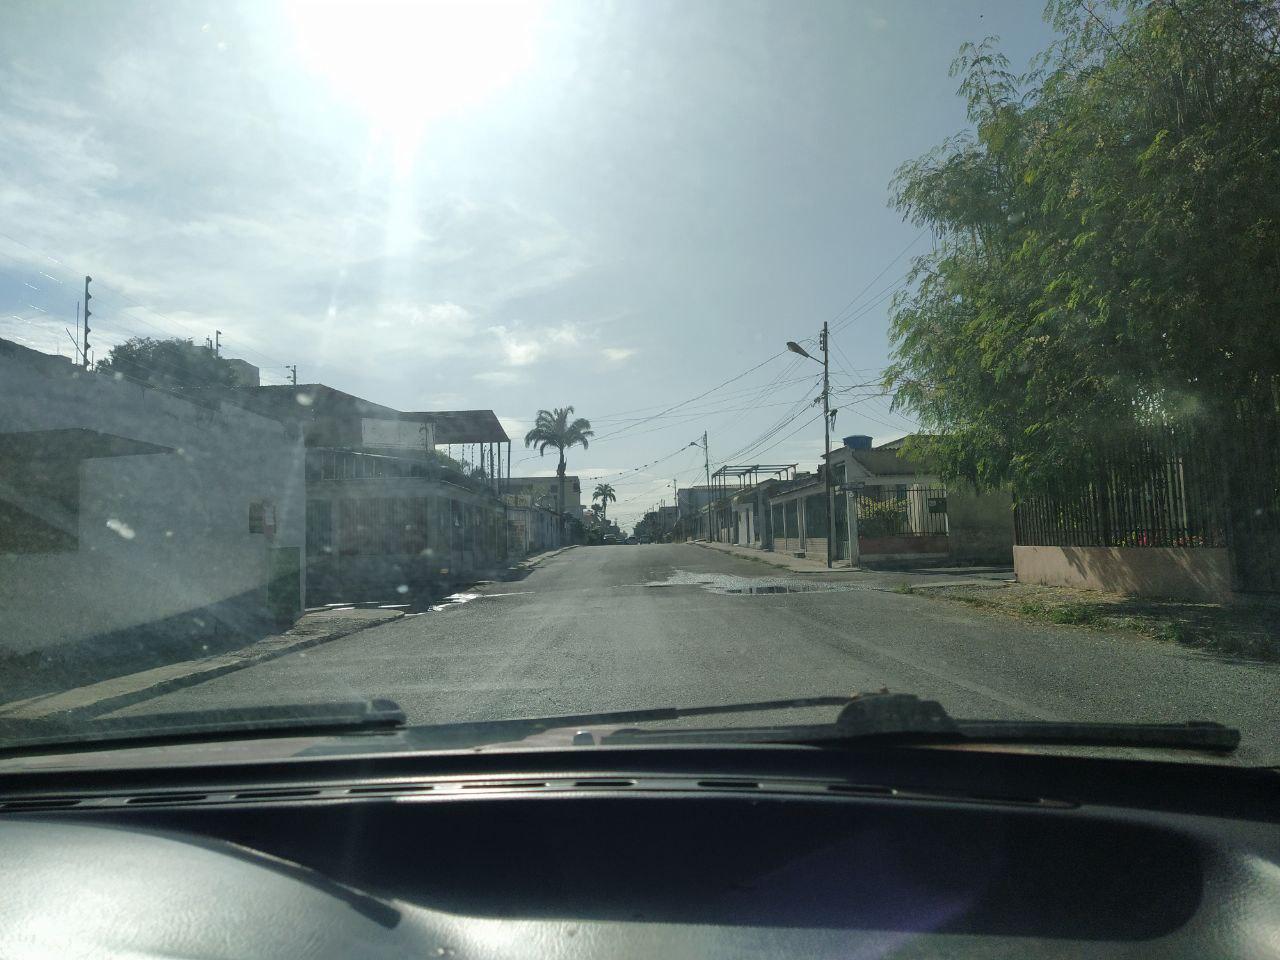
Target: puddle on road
x: 782, y: 588
x: 742, y: 586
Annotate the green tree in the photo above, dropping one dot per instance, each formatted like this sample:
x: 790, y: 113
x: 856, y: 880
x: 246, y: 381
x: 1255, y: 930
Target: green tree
x: 553, y: 429
x: 604, y: 493
x: 174, y: 364
x: 1105, y: 240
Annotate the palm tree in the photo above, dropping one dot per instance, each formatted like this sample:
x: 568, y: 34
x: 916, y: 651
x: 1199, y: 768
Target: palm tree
x: 553, y: 428
x: 604, y: 493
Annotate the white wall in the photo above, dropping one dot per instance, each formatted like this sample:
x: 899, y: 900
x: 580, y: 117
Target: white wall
x: 159, y: 534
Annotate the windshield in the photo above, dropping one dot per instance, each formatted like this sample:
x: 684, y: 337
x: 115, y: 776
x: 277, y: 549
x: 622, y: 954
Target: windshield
x: 526, y: 360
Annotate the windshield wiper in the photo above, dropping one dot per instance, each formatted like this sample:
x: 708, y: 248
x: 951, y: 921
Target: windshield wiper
x: 340, y: 716
x: 903, y: 718
x: 444, y: 736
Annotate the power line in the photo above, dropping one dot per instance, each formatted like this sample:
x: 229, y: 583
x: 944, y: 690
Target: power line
x: 802, y: 426
x: 102, y: 285
x: 781, y: 424
x: 879, y: 298
x: 729, y: 395
x: 705, y: 393
x: 901, y: 253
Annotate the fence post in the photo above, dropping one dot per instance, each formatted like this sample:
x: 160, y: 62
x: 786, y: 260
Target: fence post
x: 851, y: 518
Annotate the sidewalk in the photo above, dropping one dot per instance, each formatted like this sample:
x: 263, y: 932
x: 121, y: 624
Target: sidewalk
x: 920, y: 580
x: 106, y: 695
x: 782, y: 560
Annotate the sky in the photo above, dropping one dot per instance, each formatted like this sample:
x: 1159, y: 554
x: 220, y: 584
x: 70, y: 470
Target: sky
x: 627, y: 207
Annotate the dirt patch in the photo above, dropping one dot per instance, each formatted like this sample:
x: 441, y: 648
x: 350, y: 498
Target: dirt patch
x: 1246, y: 629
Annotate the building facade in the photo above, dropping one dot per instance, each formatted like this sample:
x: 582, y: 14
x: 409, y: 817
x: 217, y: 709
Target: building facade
x: 128, y: 512
x: 386, y: 515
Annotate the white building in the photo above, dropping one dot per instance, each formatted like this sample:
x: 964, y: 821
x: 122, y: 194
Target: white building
x: 125, y: 508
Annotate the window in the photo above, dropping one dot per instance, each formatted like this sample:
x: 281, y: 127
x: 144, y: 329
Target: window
x: 815, y: 515
x: 262, y: 517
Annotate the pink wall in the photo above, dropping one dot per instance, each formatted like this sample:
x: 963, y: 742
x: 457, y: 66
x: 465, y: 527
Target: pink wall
x: 1188, y: 573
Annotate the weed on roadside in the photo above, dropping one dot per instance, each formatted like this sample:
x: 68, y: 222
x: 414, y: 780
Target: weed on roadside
x: 1238, y: 630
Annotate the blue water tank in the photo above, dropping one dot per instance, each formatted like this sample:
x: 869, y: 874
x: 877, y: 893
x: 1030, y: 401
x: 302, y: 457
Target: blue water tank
x: 858, y: 442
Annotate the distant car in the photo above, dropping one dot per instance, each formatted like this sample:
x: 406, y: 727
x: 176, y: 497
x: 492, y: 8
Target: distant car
x: 608, y: 539
x: 632, y: 540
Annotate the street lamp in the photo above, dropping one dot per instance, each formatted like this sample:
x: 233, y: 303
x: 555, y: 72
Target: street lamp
x: 796, y: 348
x: 826, y: 425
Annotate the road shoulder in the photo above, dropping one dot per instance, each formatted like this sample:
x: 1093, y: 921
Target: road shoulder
x: 115, y: 693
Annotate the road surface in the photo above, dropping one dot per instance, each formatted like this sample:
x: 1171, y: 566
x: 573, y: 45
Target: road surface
x: 629, y: 627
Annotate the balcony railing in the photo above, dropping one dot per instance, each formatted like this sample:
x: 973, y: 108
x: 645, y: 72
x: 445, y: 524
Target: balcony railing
x: 329, y: 464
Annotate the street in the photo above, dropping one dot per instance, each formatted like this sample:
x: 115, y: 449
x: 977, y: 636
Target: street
x: 629, y: 627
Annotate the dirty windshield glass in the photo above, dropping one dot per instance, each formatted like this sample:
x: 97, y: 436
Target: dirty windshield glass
x: 518, y: 360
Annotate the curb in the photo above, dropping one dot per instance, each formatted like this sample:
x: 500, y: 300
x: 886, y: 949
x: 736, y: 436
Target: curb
x: 779, y: 564
x: 116, y: 693
x: 540, y: 558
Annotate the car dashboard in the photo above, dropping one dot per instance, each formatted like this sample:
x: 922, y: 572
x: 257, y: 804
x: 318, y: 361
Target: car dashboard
x: 643, y: 852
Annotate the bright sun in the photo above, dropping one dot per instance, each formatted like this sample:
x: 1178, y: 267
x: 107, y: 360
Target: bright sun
x: 405, y: 64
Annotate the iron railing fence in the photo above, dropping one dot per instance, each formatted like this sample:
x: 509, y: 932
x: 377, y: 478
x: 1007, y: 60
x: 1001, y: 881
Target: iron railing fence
x: 1159, y: 491
x: 902, y: 511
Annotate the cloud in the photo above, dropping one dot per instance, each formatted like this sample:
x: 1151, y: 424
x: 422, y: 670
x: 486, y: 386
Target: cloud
x: 877, y: 21
x: 618, y: 354
x: 500, y: 377
x: 521, y: 346
x: 515, y: 428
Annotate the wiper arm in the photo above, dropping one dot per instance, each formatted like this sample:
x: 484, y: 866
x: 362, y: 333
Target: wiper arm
x: 477, y: 733
x: 341, y: 716
x: 904, y: 718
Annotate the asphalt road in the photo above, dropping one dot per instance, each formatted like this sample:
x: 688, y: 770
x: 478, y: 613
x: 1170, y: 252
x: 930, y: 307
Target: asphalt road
x: 628, y: 627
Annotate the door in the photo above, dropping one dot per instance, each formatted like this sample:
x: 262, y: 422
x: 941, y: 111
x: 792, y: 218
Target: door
x: 284, y: 587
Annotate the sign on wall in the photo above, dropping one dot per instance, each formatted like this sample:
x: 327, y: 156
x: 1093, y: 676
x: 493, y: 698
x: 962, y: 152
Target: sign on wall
x: 397, y: 434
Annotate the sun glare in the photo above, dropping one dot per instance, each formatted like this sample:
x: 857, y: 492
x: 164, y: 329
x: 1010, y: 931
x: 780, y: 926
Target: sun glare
x: 406, y: 64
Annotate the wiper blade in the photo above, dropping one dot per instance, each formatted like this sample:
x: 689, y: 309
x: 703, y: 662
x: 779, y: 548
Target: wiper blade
x: 341, y: 716
x: 480, y: 732
x: 904, y: 718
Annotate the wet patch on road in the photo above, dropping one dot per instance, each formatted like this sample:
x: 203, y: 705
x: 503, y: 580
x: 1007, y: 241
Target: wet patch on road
x: 733, y: 585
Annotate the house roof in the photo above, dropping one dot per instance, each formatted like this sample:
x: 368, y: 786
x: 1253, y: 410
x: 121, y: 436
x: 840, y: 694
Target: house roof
x: 462, y: 426
x: 886, y: 459
x: 784, y: 488
x: 314, y: 401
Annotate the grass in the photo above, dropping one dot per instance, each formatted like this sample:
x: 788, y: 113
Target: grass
x: 1245, y: 629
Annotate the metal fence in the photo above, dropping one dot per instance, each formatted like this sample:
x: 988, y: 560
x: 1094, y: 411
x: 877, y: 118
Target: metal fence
x: 1157, y: 492
x: 902, y: 511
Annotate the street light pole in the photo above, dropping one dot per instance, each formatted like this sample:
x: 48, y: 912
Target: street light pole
x: 826, y: 427
x: 706, y: 459
x: 826, y: 440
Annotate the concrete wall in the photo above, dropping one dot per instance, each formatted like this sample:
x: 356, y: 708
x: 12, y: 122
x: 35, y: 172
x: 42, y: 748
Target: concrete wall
x: 336, y: 572
x: 158, y: 537
x: 1190, y: 573
x: 530, y: 530
x: 980, y: 525
x: 883, y: 548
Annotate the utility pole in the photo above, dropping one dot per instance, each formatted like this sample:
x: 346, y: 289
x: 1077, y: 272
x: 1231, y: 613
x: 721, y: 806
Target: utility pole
x: 706, y: 460
x: 293, y: 373
x: 84, y: 353
x: 217, y: 343
x: 826, y: 441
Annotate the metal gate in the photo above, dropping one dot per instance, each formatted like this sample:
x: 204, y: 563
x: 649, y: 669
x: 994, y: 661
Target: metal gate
x: 1253, y: 494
